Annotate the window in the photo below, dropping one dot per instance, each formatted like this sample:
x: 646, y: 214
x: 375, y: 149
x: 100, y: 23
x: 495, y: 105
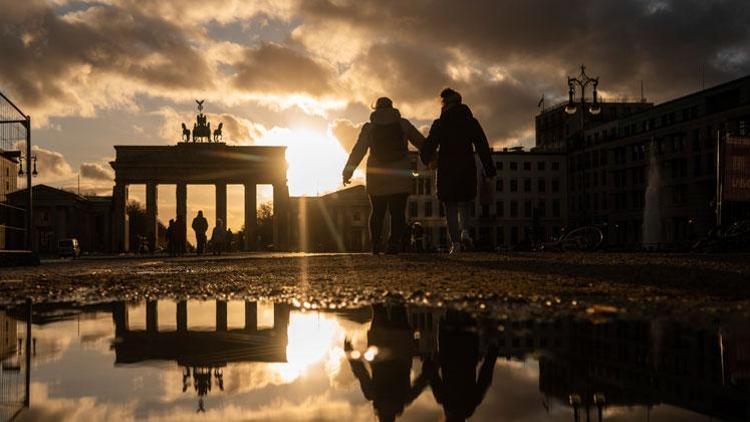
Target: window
x: 514, y: 165
x: 527, y: 185
x: 500, y: 209
x: 556, y: 208
x: 427, y: 187
x: 513, y: 209
x: 697, y: 165
x: 485, y: 210
x: 499, y: 165
x: 527, y: 165
x: 528, y: 210
x: 500, y: 236
x: 555, y: 186
x: 514, y: 185
x: 499, y: 185
x: 542, y: 209
x: 541, y: 166
x: 413, y: 209
x: 555, y: 165
x: 541, y: 185
x: 428, y: 209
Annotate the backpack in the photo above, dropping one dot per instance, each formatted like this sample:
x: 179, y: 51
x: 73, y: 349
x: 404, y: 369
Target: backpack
x: 388, y: 143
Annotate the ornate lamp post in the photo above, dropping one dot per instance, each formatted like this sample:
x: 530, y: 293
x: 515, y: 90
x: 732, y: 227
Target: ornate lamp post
x: 20, y: 165
x: 582, y: 81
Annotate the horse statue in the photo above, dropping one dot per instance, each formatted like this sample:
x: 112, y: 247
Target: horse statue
x: 217, y: 133
x: 185, y: 133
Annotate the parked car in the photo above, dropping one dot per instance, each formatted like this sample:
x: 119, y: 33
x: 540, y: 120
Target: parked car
x: 68, y: 248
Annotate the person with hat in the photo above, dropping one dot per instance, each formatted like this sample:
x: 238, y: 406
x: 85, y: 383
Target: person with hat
x: 389, y: 169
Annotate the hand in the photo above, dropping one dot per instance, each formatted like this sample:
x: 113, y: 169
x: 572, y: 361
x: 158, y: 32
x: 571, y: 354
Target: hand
x: 346, y: 180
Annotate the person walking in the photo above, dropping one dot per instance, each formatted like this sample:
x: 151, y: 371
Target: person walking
x: 171, y: 243
x: 389, y: 170
x: 200, y: 226
x: 455, y: 136
x: 217, y: 237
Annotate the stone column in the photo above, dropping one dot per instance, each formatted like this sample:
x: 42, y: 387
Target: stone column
x: 152, y: 215
x: 221, y: 203
x: 152, y: 316
x: 280, y: 216
x: 182, y: 316
x: 251, y: 215
x: 120, y: 315
x: 120, y: 233
x: 181, y: 192
x: 251, y: 316
x: 221, y: 315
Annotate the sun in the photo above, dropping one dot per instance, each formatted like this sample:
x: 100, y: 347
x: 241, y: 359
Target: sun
x: 315, y: 159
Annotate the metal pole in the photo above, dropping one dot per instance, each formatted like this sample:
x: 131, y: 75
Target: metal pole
x: 27, y: 398
x: 719, y: 181
x: 29, y: 200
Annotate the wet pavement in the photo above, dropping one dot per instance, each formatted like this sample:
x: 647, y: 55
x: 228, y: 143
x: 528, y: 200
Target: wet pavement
x: 166, y: 360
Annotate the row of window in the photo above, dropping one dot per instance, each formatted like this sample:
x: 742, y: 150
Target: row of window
x: 541, y: 185
x: 540, y: 165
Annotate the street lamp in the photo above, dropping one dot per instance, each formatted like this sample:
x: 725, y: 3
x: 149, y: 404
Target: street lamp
x: 20, y: 166
x: 583, y: 80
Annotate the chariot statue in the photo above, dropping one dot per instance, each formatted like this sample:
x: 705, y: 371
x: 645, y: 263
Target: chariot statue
x: 202, y: 128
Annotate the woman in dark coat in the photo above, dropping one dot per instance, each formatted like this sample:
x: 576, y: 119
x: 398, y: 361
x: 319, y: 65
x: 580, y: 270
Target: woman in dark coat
x: 456, y: 135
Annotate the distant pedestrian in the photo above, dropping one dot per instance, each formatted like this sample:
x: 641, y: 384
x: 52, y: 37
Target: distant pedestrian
x: 389, y: 170
x: 171, y: 243
x: 200, y: 226
x: 217, y: 237
x: 456, y: 135
x: 228, y: 240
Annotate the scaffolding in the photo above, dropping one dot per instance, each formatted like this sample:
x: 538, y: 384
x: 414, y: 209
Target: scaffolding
x: 14, y: 367
x: 15, y: 136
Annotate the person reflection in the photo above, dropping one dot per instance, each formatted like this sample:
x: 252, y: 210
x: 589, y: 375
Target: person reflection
x: 391, y: 346
x: 202, y: 383
x: 456, y: 385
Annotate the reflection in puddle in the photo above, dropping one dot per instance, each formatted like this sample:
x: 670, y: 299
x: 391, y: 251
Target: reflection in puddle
x: 234, y: 360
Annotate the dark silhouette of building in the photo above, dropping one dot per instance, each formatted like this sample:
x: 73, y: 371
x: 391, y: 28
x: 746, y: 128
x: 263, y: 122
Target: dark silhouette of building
x: 608, y: 165
x: 60, y: 214
x: 8, y: 184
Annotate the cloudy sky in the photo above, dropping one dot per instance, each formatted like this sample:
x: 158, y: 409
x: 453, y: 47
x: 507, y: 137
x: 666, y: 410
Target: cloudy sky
x: 99, y: 73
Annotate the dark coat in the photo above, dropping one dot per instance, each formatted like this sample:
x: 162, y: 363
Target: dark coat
x: 456, y: 135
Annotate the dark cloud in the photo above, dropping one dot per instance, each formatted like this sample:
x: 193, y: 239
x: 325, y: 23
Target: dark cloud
x: 97, y: 172
x: 51, y: 59
x: 277, y: 69
x: 536, y: 43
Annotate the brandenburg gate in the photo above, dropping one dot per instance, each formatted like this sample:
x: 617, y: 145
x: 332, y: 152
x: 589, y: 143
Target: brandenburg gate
x: 204, y: 161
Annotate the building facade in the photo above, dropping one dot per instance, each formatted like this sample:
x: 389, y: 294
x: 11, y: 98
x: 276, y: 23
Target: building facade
x: 59, y: 214
x: 670, y: 149
x: 8, y: 184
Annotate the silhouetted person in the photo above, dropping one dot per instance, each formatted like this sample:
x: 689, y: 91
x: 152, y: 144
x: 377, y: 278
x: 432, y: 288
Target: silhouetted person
x: 455, y: 136
x: 181, y: 226
x: 171, y: 238
x: 200, y: 226
x: 388, y: 384
x: 228, y: 240
x: 389, y: 179
x: 217, y: 237
x: 458, y: 387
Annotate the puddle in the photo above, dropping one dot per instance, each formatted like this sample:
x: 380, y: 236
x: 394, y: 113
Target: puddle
x: 235, y: 360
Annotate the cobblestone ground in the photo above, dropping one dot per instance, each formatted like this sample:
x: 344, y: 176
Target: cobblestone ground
x: 663, y: 284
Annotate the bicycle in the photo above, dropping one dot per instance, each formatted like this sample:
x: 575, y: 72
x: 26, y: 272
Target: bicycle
x: 582, y: 239
x: 734, y: 237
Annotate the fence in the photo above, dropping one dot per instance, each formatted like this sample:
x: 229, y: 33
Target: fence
x: 15, y: 136
x: 12, y: 374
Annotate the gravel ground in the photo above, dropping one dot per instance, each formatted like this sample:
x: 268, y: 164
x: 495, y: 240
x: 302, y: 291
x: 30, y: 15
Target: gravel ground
x: 660, y: 284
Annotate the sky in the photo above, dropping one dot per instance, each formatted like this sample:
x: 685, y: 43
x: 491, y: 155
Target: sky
x: 98, y: 73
